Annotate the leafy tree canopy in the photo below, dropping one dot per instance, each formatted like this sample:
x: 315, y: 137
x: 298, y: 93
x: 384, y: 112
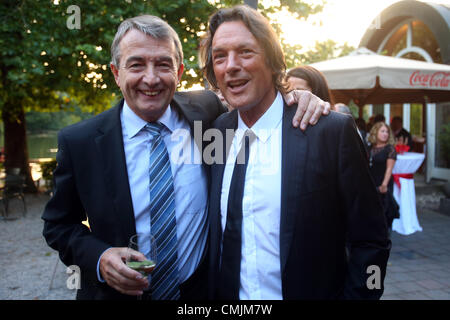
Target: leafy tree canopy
x: 49, y: 64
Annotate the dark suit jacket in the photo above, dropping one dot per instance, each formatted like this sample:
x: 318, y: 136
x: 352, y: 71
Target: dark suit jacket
x: 91, y: 181
x: 328, y: 201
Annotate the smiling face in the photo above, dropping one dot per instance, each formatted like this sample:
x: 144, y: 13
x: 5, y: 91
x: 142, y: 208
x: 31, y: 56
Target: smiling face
x: 240, y: 68
x: 383, y: 134
x: 148, y: 74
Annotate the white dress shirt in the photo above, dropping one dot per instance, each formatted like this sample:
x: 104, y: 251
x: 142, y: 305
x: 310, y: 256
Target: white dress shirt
x: 189, y: 181
x: 260, y: 262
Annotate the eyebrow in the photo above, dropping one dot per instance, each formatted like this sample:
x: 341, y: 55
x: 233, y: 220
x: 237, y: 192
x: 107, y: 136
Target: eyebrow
x: 165, y: 58
x: 140, y: 59
x: 240, y: 46
x: 133, y: 58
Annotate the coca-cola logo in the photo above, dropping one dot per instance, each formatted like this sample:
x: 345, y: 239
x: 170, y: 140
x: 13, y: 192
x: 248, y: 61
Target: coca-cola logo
x: 436, y: 80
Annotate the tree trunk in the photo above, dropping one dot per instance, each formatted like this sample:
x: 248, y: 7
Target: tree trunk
x: 16, y: 151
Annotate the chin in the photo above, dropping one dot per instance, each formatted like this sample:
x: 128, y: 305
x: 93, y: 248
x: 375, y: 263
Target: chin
x: 241, y: 105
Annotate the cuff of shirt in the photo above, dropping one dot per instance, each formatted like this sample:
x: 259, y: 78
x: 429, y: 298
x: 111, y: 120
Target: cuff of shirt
x: 99, y: 276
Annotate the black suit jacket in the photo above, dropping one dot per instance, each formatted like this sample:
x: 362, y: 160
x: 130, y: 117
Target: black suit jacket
x: 328, y: 202
x: 91, y: 181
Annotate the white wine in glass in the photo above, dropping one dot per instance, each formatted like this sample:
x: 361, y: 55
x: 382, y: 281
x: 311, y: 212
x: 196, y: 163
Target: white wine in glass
x: 144, y: 243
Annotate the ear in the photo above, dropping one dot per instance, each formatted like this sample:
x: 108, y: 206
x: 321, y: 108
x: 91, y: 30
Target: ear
x: 115, y: 72
x: 180, y: 72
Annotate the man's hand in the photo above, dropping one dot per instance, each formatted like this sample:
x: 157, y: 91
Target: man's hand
x: 120, y: 277
x: 309, y: 107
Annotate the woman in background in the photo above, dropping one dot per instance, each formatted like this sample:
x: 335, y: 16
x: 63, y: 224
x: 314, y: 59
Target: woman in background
x: 311, y: 79
x: 382, y: 157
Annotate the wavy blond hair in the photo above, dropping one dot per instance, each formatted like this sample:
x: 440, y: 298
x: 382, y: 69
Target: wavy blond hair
x: 374, y: 132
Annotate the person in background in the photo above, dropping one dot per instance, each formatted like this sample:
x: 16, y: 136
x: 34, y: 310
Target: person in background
x: 362, y: 128
x: 382, y: 157
x: 311, y: 79
x: 401, y: 134
x: 374, y: 119
x: 342, y: 108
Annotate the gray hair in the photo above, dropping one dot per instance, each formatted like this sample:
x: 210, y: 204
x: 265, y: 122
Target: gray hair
x: 149, y: 25
x: 342, y: 108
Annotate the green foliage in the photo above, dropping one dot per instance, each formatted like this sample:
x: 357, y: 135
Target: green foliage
x: 43, y: 121
x: 47, y: 169
x: 45, y: 65
x: 416, y: 125
x: 322, y: 51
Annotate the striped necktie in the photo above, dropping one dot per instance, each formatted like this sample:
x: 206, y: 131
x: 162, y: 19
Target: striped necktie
x: 165, y: 277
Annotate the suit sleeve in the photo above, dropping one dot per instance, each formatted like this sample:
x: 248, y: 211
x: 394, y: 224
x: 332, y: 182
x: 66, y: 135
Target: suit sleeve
x: 367, y: 234
x: 63, y: 217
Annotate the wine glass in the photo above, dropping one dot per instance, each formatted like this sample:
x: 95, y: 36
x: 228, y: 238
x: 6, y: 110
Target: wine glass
x: 144, y: 243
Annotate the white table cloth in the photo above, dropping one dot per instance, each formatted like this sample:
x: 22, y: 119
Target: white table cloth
x: 407, y: 163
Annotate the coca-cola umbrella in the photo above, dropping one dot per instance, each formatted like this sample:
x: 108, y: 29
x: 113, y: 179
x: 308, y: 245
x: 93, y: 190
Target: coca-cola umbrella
x: 368, y: 78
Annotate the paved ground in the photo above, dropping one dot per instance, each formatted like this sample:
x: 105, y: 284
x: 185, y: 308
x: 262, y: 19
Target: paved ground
x: 419, y: 266
x: 27, y: 263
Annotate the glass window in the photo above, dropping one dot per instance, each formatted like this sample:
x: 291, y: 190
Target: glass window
x: 396, y: 42
x: 423, y: 38
x: 416, y: 123
x: 396, y: 111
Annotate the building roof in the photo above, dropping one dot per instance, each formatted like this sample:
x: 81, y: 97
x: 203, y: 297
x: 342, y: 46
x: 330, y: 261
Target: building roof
x: 434, y: 15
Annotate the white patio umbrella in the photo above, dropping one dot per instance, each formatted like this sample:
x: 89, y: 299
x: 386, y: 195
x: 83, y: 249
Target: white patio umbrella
x: 367, y: 77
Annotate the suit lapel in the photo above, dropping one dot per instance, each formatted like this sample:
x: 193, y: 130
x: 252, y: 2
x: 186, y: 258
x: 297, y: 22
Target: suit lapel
x: 217, y: 170
x: 195, y: 117
x: 110, y: 146
x: 294, y: 151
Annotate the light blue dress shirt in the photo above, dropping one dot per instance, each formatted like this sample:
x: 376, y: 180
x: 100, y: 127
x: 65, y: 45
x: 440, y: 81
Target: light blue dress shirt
x: 189, y: 180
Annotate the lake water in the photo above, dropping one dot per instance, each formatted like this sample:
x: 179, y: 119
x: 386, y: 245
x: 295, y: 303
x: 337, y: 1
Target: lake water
x: 42, y: 145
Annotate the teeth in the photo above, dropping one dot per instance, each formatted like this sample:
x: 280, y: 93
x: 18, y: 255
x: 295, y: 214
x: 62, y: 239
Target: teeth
x: 237, y: 83
x: 150, y: 93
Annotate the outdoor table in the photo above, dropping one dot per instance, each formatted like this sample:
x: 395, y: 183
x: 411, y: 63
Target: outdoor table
x: 404, y: 193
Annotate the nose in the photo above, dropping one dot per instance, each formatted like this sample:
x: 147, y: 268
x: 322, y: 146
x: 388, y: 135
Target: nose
x: 151, y: 76
x: 233, y: 63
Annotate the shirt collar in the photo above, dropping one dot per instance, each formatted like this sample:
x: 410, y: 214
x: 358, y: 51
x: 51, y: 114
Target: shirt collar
x: 133, y: 124
x: 269, y: 121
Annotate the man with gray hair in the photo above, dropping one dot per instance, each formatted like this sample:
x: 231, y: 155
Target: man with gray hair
x: 124, y: 172
x: 342, y: 108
